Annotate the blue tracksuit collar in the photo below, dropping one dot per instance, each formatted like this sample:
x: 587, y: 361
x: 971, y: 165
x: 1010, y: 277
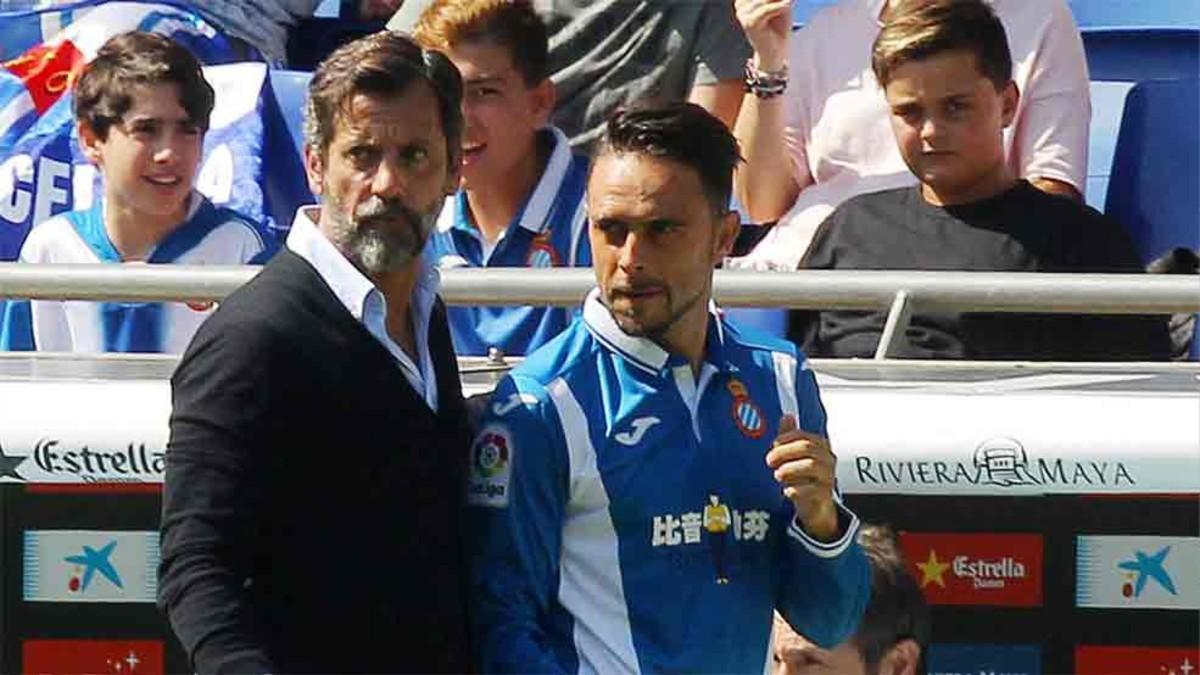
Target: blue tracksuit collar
x: 201, y: 219
x: 642, y: 352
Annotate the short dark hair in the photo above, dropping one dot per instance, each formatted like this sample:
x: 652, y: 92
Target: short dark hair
x: 511, y: 24
x: 103, y: 92
x: 381, y: 64
x: 918, y: 29
x: 897, y: 609
x: 683, y: 132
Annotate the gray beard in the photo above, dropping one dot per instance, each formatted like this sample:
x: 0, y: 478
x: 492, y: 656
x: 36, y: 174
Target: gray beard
x: 381, y: 238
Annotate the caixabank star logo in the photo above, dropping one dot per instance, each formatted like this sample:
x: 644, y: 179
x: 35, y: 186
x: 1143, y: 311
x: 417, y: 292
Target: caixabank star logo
x: 976, y: 569
x: 90, y: 566
x: 1137, y: 572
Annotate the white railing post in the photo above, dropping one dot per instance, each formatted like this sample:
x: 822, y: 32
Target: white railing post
x: 896, y: 325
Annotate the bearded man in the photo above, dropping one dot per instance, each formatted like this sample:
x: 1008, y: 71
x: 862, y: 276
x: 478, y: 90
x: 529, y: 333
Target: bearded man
x: 312, y: 508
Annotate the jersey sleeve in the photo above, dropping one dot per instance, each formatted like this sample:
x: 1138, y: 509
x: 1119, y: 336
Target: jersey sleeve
x: 517, y: 495
x: 824, y: 586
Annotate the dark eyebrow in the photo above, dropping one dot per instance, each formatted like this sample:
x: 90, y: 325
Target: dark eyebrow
x: 486, y: 79
x: 657, y: 222
x: 610, y: 222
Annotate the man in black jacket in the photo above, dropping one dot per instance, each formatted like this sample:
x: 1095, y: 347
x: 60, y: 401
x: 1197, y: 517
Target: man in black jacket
x: 311, y: 513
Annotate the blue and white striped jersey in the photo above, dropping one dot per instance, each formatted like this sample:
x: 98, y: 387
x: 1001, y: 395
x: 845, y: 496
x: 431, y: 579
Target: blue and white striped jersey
x: 210, y: 236
x: 624, y: 518
x: 549, y: 231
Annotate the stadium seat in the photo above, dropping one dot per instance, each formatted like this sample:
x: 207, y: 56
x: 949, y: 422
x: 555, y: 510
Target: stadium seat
x: 1108, y: 104
x: 283, y: 141
x: 290, y: 88
x: 1153, y: 188
x: 1133, y: 54
x: 773, y: 322
x: 1105, y: 14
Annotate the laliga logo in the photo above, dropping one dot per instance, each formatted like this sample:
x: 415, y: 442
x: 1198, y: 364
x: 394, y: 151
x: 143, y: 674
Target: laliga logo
x: 491, y: 454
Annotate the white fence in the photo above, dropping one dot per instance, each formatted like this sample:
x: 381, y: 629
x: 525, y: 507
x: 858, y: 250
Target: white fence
x: 806, y: 289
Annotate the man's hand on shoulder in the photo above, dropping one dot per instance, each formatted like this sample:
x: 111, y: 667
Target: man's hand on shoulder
x: 804, y: 466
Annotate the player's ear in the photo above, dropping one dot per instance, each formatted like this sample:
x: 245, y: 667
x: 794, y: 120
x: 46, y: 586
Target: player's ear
x: 727, y: 231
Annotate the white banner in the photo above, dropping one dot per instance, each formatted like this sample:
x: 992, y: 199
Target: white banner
x: 83, y: 431
x: 1137, y: 572
x: 999, y: 438
x: 90, y: 566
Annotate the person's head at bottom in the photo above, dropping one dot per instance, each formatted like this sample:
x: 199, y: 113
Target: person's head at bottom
x: 383, y: 137
x: 894, y: 631
x: 658, y: 208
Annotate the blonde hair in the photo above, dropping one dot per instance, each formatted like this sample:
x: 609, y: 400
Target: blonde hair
x: 918, y: 29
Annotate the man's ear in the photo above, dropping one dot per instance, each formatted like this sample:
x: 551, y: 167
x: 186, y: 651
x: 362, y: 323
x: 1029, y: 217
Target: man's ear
x: 727, y: 233
x: 541, y: 101
x: 1010, y: 97
x: 901, y: 659
x: 314, y: 168
x: 90, y: 141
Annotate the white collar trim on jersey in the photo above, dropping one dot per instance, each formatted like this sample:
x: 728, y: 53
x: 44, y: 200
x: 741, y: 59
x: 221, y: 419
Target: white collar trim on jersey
x: 535, y: 217
x: 640, y: 351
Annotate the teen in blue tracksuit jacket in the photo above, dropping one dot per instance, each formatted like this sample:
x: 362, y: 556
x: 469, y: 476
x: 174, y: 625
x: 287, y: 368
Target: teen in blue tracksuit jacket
x: 625, y: 520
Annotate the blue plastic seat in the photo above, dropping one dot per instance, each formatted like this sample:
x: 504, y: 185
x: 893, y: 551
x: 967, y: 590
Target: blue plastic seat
x: 1133, y: 54
x: 1154, y: 189
x: 290, y: 88
x: 1108, y: 105
x: 285, y: 187
x: 773, y: 322
x: 1105, y: 14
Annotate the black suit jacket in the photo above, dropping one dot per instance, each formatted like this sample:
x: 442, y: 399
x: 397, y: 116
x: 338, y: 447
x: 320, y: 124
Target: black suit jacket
x: 312, y: 508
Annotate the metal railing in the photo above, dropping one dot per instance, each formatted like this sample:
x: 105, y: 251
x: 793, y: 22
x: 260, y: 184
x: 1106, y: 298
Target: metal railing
x: 898, y: 292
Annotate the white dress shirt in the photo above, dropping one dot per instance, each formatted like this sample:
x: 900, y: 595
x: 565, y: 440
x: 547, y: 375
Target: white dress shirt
x: 366, y: 303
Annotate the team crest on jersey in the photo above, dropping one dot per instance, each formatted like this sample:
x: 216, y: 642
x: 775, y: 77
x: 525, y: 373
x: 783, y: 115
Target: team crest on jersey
x: 200, y: 305
x: 491, y: 465
x: 746, y: 414
x: 542, y: 253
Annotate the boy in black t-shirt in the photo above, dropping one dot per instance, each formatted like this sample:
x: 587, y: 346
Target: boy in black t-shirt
x: 945, y: 69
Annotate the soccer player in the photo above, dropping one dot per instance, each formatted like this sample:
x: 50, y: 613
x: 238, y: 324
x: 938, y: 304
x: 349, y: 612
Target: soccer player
x: 142, y: 107
x: 521, y: 199
x: 650, y: 485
